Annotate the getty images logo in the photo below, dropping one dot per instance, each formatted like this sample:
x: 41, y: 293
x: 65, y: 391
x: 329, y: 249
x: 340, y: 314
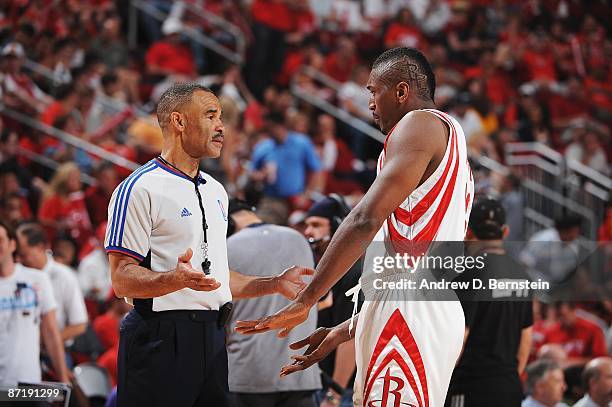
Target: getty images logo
x: 185, y: 212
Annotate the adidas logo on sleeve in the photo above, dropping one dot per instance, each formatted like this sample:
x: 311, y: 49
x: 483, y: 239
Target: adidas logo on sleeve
x: 185, y: 212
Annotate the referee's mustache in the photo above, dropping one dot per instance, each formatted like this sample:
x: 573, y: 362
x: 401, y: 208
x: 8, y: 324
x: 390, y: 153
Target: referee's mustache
x: 218, y: 135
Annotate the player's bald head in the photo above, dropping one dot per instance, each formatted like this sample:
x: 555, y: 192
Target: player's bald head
x: 174, y: 98
x: 406, y: 65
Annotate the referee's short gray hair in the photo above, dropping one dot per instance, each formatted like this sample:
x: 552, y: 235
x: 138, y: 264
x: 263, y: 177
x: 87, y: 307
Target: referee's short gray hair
x: 173, y: 99
x: 537, y: 370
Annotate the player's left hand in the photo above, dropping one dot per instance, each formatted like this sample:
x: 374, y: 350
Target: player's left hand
x: 286, y: 319
x: 290, y: 283
x: 320, y: 343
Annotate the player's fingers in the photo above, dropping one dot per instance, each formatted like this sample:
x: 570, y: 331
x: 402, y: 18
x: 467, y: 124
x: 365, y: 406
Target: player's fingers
x: 287, y: 370
x: 252, y: 331
x: 299, y: 344
x: 284, y: 332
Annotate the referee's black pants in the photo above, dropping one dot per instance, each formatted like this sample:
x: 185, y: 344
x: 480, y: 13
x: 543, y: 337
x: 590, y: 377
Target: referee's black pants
x: 172, y: 358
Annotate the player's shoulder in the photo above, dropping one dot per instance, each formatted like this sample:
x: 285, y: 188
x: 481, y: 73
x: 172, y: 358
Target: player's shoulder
x: 420, y: 126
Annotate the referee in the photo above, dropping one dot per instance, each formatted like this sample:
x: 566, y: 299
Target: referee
x: 167, y: 251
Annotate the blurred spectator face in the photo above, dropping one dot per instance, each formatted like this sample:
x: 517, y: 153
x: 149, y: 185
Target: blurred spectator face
x: 361, y: 75
x: 111, y: 27
x: 277, y: 131
x: 13, y: 64
x: 73, y: 183
x: 326, y: 124
x: 318, y: 231
x: 600, y: 387
x: 300, y: 123
x: 549, y: 390
x: 346, y: 48
x: 591, y: 142
x: 569, y: 234
x: 9, y: 184
x: 405, y: 16
x: 566, y: 314
x: 7, y: 246
x: 108, y: 179
x: 12, y: 211
x: 31, y: 255
x: 64, y: 251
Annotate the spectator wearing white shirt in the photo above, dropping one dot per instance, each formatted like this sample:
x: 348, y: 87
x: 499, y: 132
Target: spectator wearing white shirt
x: 94, y: 270
x: 597, y: 379
x: 34, y: 252
x: 27, y: 314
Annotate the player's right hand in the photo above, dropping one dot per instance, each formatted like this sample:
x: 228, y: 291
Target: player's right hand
x: 188, y: 277
x: 320, y: 343
x: 286, y: 319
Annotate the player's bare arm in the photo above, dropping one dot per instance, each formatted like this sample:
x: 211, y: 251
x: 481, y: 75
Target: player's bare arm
x: 412, y: 150
x: 134, y: 281
x: 289, y: 283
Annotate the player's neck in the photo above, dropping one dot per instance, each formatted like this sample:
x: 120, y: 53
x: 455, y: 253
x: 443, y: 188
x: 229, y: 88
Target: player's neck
x: 179, y: 159
x: 7, y: 268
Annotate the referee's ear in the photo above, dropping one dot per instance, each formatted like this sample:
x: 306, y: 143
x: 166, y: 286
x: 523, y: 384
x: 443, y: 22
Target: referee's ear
x: 177, y: 121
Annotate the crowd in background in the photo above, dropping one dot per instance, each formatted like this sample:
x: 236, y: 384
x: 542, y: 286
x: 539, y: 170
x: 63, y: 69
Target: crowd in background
x: 508, y: 70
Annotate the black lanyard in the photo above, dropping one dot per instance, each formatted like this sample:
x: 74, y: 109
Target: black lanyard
x: 196, y: 181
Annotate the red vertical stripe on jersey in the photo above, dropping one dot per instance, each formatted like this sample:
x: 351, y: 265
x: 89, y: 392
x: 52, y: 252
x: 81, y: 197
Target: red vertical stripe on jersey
x: 429, y: 232
x: 409, y: 218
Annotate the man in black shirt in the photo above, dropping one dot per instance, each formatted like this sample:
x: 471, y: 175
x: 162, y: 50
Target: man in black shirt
x: 498, y: 323
x: 322, y: 221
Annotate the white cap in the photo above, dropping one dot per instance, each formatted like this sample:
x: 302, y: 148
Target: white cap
x: 172, y: 26
x: 13, y: 48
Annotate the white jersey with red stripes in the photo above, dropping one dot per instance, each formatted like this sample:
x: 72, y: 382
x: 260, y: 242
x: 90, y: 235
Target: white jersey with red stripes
x: 406, y: 349
x: 438, y: 210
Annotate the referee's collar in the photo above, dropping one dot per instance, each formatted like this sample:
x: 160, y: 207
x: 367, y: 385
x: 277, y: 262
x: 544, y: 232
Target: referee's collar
x: 174, y: 171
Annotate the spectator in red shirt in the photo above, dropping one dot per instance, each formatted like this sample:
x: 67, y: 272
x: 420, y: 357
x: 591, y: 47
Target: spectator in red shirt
x: 340, y: 63
x: 539, y: 59
x: 403, y: 32
x: 106, y: 326
x: 170, y: 55
x: 272, y: 21
x: 66, y: 101
x: 97, y: 197
x: 581, y: 339
x: 108, y: 360
x: 63, y: 209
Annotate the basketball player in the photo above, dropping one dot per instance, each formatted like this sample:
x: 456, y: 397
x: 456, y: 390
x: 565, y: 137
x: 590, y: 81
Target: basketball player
x: 406, y: 350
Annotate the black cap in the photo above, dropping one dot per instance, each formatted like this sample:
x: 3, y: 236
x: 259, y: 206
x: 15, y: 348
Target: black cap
x: 487, y: 219
x: 325, y: 208
x: 237, y: 205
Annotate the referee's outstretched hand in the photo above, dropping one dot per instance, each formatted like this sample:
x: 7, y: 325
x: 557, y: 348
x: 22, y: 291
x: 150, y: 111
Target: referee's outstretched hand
x: 191, y: 278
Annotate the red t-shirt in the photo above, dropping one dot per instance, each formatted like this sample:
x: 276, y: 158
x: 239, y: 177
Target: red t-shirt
x: 108, y: 360
x: 53, y: 111
x: 175, y: 58
x: 584, y: 339
x: 541, y: 66
x: 72, y: 211
x: 106, y: 327
x: 97, y: 205
x: 403, y: 35
x: 339, y: 70
x: 273, y: 13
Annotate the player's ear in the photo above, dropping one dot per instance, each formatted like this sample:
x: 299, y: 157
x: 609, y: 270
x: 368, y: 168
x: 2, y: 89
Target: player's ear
x: 177, y: 120
x: 402, y: 91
